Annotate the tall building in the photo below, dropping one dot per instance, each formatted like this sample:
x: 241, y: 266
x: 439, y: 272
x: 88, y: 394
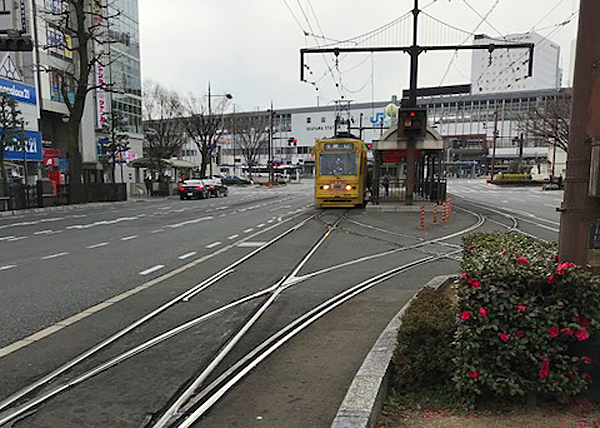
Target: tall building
x: 53, y: 56
x: 505, y: 70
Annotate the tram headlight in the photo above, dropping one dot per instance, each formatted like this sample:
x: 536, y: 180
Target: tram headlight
x: 348, y: 187
x: 326, y: 187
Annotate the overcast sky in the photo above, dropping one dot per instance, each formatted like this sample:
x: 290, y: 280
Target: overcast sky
x: 250, y: 48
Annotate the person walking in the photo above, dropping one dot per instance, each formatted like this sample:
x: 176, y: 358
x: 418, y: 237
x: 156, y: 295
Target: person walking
x: 386, y: 184
x: 148, y: 183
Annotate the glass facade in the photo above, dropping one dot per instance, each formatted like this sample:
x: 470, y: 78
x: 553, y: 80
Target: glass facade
x: 125, y: 71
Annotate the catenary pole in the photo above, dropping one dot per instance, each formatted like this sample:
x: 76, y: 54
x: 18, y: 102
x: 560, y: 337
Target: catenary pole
x: 579, y: 211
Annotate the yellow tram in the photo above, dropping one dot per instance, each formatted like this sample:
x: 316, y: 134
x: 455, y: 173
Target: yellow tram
x: 340, y: 172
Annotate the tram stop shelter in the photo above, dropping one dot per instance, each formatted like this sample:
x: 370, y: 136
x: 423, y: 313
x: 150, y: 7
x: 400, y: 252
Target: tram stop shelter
x: 389, y: 169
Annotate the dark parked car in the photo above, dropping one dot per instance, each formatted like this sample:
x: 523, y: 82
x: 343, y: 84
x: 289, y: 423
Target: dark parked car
x: 194, y: 189
x: 216, y: 187
x: 235, y: 180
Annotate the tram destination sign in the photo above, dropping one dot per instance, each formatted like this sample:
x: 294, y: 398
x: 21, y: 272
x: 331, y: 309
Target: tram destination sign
x: 339, y: 146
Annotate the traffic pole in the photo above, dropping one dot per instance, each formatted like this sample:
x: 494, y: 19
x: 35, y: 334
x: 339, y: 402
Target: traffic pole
x: 435, y: 214
x: 422, y: 222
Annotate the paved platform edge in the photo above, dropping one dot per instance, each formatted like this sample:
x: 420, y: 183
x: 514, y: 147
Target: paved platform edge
x: 364, y: 400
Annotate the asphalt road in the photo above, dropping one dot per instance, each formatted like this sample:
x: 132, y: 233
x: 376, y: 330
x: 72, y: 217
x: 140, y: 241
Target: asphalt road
x: 129, y: 259
x: 58, y: 263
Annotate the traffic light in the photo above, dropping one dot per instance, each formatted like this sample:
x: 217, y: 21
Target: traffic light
x: 292, y: 141
x: 413, y: 122
x: 368, y: 146
x: 16, y: 44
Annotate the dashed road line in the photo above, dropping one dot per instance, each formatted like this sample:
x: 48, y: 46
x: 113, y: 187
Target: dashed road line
x: 7, y: 267
x: 248, y: 230
x: 158, y: 231
x: 102, y: 244
x: 54, y: 256
x: 129, y: 238
x: 152, y: 269
x: 249, y: 244
x: 214, y: 244
x: 260, y: 225
x: 187, y: 256
x: 233, y: 236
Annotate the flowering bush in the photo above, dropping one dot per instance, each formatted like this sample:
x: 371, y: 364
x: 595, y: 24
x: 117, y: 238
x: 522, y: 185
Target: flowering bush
x: 520, y: 312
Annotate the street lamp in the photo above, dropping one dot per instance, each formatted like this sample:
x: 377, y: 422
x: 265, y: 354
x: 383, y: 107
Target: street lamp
x: 227, y: 96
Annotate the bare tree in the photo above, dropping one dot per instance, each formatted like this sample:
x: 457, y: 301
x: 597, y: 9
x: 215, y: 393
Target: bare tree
x: 164, y: 133
x: 550, y: 120
x: 116, y: 142
x: 252, y: 135
x: 204, y: 127
x: 80, y: 30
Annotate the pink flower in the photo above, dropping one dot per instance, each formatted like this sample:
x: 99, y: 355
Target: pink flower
x: 522, y: 260
x: 466, y: 315
x: 475, y: 284
x: 483, y: 312
x: 474, y: 374
x: 550, y: 279
x: 505, y: 337
x: 560, y: 271
x: 583, y: 321
x: 587, y: 377
x: 582, y: 334
x: 553, y: 331
x: 521, y: 308
x: 545, y: 371
x: 520, y: 333
x: 567, y: 332
x: 586, y: 360
x: 463, y: 275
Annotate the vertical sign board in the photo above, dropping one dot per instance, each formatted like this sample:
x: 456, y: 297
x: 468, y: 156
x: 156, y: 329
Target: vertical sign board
x: 102, y: 97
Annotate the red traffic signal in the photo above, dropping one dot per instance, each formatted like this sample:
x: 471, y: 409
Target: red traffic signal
x: 292, y: 141
x: 412, y: 122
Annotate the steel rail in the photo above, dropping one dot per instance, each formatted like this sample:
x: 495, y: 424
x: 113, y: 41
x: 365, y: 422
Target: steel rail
x: 167, y: 415
x: 95, y: 349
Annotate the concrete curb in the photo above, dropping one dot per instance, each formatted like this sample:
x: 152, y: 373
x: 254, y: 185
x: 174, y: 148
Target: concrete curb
x: 363, y: 401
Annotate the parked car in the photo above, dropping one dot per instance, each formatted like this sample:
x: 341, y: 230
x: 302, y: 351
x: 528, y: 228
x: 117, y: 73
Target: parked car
x: 190, y: 189
x: 235, y: 180
x: 216, y: 187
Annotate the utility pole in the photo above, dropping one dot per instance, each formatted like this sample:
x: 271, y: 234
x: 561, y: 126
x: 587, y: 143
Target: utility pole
x: 233, y: 139
x: 580, y: 212
x: 494, y: 139
x: 411, y: 142
x: 210, y: 142
x: 271, y: 144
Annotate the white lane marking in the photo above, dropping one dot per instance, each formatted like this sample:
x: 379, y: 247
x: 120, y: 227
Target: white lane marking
x: 18, y: 238
x: 6, y: 238
x: 152, y: 269
x: 53, y: 256
x: 251, y: 244
x: 248, y: 230
x: 214, y: 244
x: 185, y: 223
x: 222, y: 215
x: 260, y: 225
x: 129, y: 238
x: 158, y: 231
x: 233, y: 236
x: 103, y: 223
x: 43, y: 232
x: 7, y: 267
x: 187, y: 256
x: 270, y: 221
x: 102, y: 244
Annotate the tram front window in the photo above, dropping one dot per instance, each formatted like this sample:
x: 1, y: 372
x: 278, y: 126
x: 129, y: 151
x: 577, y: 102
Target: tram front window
x: 338, y: 163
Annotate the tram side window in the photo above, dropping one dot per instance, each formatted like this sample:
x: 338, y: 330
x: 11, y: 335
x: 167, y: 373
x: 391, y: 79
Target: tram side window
x: 338, y: 163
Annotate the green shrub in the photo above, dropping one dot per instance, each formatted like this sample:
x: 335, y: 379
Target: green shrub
x: 520, y: 313
x: 423, y: 356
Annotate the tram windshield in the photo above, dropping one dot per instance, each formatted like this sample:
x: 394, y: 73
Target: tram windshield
x: 343, y: 163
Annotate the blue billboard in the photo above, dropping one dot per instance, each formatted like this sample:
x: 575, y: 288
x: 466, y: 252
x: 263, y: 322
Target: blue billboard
x: 33, y: 146
x: 19, y: 91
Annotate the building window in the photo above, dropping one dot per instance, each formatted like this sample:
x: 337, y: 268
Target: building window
x: 308, y: 120
x: 323, y: 119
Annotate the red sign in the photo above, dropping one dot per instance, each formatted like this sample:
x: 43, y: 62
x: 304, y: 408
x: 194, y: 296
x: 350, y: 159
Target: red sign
x: 397, y: 156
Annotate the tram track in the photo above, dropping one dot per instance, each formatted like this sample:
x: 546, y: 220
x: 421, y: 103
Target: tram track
x: 192, y: 403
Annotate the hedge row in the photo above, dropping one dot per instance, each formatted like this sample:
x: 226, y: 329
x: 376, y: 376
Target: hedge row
x: 520, y: 312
